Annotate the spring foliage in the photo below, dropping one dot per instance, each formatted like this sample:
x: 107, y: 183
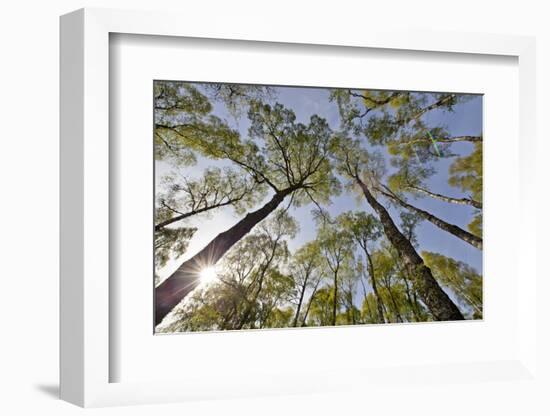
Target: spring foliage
x: 353, y: 268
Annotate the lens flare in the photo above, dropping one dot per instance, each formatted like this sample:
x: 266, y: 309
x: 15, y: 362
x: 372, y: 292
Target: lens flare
x: 208, y: 274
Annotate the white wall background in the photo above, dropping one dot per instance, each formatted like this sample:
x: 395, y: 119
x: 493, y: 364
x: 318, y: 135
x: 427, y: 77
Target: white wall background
x: 29, y: 57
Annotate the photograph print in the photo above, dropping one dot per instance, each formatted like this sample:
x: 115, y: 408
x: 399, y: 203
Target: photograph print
x: 295, y: 207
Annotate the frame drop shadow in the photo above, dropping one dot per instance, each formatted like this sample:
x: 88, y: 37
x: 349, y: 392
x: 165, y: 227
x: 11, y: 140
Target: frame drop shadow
x: 51, y: 390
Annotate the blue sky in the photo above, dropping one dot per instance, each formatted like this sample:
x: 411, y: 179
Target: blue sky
x: 465, y: 120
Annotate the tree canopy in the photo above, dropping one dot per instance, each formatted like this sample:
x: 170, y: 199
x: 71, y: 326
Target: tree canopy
x: 292, y: 207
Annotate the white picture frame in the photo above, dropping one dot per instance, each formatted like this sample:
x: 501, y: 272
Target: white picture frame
x: 85, y: 220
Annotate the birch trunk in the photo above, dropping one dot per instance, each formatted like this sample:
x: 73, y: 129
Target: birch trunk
x: 460, y: 201
x: 299, y: 307
x: 450, y: 228
x: 186, y: 278
x: 437, y: 301
x: 379, y: 304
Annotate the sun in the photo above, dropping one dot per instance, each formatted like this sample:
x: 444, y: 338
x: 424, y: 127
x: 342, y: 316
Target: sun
x: 208, y: 274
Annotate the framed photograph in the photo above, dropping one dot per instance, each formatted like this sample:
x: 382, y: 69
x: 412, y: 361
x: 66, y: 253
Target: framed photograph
x: 279, y: 169
x: 280, y: 213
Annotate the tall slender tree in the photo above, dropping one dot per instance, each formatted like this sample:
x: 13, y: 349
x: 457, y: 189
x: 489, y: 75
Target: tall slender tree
x: 361, y: 168
x: 293, y: 161
x: 365, y: 230
x: 321, y: 312
x: 391, y: 289
x: 337, y: 248
x: 307, y: 270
